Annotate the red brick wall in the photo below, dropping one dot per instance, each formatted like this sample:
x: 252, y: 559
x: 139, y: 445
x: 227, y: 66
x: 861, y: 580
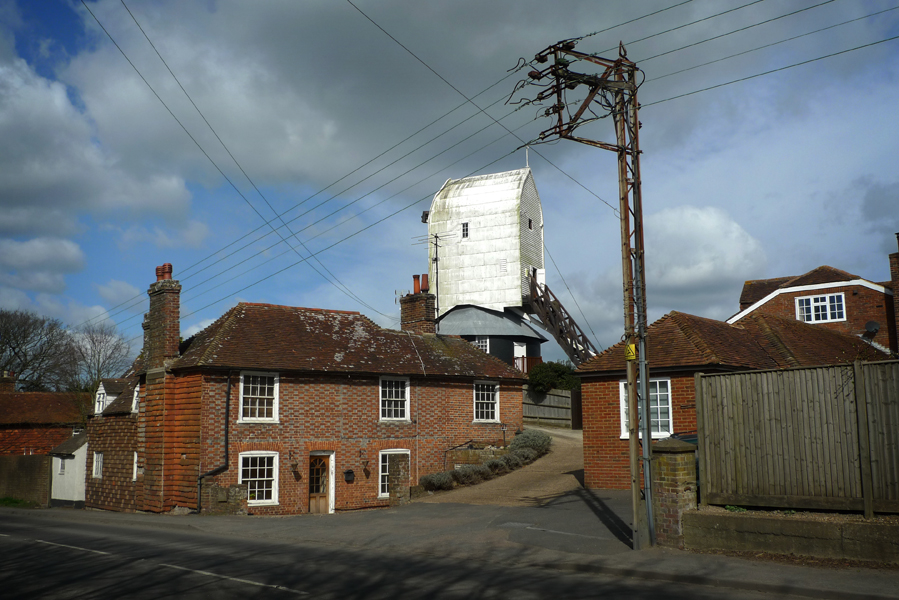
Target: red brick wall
x: 162, y: 326
x: 894, y: 277
x: 861, y: 305
x: 116, y: 437
x: 606, y: 455
x: 341, y: 414
x: 418, y: 313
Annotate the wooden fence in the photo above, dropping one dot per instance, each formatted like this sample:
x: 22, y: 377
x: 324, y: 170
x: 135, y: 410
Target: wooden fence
x: 557, y: 408
x: 814, y: 438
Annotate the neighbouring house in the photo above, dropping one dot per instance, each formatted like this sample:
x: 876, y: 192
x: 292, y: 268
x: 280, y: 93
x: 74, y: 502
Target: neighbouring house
x: 830, y: 298
x: 293, y: 409
x: 680, y: 345
x: 67, y: 472
x: 503, y: 334
x: 107, y: 392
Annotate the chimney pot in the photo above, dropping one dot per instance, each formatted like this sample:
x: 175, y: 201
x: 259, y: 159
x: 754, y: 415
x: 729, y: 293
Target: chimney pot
x: 167, y: 271
x: 425, y: 285
x: 416, y: 285
x: 159, y: 275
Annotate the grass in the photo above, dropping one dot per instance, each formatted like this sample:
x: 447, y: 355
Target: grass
x: 16, y: 503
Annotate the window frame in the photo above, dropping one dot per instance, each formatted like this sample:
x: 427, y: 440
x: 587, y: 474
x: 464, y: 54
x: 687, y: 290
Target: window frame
x: 241, y: 418
x: 134, y: 468
x: 382, y: 454
x: 485, y: 339
x: 97, y: 466
x: 496, y: 417
x: 62, y: 466
x: 407, y: 417
x: 273, y: 501
x: 135, y: 400
x: 826, y: 303
x: 656, y: 435
x: 465, y: 229
x: 100, y: 402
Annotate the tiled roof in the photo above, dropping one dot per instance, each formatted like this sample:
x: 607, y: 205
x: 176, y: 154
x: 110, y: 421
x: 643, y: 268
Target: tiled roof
x: 286, y: 338
x: 758, y: 341
x: 32, y: 440
x: 756, y: 289
x: 114, y: 386
x: 72, y: 444
x: 41, y: 408
x: 122, y: 404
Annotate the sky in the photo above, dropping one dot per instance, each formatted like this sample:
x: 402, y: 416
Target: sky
x: 232, y: 139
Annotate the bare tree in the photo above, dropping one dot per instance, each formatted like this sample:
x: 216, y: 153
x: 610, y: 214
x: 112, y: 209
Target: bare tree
x: 100, y: 352
x: 38, y: 349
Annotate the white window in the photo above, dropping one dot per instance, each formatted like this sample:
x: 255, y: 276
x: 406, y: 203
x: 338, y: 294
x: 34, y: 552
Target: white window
x: 394, y: 399
x: 98, y: 465
x: 503, y: 265
x: 100, y: 403
x: 259, y: 471
x: 486, y: 401
x: 62, y: 466
x: 659, y: 408
x: 820, y: 309
x: 258, y: 397
x: 135, y: 400
x: 384, y: 473
x: 134, y: 469
x: 465, y: 230
x: 482, y: 342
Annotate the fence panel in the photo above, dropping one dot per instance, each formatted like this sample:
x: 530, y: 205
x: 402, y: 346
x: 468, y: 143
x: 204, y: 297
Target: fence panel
x: 791, y: 438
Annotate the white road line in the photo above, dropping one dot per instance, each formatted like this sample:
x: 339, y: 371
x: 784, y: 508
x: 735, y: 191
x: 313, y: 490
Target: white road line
x: 72, y: 547
x: 237, y: 579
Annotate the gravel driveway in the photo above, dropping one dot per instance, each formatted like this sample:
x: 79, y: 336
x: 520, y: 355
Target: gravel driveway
x: 557, y: 473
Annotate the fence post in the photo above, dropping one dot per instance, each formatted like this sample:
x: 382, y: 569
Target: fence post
x: 864, y: 445
x: 674, y: 487
x: 701, y: 437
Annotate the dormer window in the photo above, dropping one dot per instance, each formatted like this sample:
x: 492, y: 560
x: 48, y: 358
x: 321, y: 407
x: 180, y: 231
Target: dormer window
x: 100, y: 403
x: 821, y: 309
x: 135, y: 400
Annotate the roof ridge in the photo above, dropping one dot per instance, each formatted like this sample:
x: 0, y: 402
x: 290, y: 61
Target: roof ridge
x: 775, y: 340
x: 327, y: 310
x: 694, y: 338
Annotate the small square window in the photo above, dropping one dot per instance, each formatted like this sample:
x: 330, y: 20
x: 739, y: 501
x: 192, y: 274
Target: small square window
x: 482, y: 342
x: 465, y: 230
x: 659, y: 408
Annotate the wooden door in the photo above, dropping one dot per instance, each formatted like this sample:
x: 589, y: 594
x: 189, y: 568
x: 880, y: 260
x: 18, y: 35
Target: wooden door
x: 319, y: 486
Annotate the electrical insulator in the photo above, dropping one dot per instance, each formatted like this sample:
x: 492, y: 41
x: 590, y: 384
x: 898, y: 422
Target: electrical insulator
x: 535, y: 75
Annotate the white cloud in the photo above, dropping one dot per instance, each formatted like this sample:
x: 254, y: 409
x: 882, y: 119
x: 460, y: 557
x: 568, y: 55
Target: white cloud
x: 191, y: 235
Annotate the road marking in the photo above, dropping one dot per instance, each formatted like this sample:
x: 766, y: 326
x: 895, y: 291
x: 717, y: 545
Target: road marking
x: 592, y: 537
x: 237, y: 579
x: 72, y: 547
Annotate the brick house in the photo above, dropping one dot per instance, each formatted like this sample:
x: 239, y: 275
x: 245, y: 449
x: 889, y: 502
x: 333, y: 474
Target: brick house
x: 831, y: 298
x: 297, y: 409
x: 680, y: 345
x: 36, y: 422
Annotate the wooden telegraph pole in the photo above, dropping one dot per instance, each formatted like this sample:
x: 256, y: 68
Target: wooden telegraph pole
x: 614, y: 91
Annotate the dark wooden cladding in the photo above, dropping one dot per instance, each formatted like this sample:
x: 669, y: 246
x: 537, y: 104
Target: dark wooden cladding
x: 814, y: 438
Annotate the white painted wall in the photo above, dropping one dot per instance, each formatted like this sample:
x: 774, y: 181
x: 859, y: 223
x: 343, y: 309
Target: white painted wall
x: 70, y: 486
x: 490, y: 267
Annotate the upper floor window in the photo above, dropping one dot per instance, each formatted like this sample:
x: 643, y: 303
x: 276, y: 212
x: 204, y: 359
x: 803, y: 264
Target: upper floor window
x: 100, y: 404
x: 482, y: 342
x: 135, y: 399
x: 486, y: 401
x: 258, y: 397
x: 821, y: 309
x: 659, y: 408
x: 394, y: 399
x: 465, y: 230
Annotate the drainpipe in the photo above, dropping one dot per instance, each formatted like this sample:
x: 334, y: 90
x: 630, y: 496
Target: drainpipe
x: 220, y: 468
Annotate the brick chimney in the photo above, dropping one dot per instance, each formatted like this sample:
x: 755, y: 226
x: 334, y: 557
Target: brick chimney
x: 894, y: 278
x: 7, y: 382
x: 418, y: 312
x: 162, y: 324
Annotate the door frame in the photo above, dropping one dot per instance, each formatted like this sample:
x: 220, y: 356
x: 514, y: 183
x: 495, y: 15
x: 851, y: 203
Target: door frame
x: 331, y: 471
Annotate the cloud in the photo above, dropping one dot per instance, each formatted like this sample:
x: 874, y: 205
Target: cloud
x: 47, y: 254
x: 879, y: 211
x: 191, y: 235
x: 196, y: 328
x: 118, y: 293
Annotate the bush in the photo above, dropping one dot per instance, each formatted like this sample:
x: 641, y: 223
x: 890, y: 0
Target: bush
x: 512, y: 461
x: 526, y: 455
x: 553, y: 375
x: 497, y: 466
x: 537, y: 441
x: 436, y: 481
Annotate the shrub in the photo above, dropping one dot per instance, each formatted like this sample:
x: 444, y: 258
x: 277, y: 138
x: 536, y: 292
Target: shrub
x: 497, y: 466
x: 436, y: 481
x: 550, y: 375
x: 533, y: 439
x: 526, y: 455
x: 483, y: 472
x: 512, y: 461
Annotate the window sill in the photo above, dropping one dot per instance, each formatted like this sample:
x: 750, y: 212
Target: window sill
x: 262, y: 503
x: 256, y: 421
x: 655, y: 436
x: 400, y: 421
x: 486, y: 422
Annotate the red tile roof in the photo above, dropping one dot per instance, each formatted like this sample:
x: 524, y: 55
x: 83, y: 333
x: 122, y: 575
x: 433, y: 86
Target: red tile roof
x: 758, y: 341
x: 286, y: 338
x: 756, y: 289
x: 42, y: 408
x: 32, y: 440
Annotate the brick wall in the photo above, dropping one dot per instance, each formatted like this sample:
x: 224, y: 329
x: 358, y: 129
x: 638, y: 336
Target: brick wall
x: 894, y: 277
x: 162, y: 325
x: 116, y: 437
x: 340, y: 414
x: 861, y: 305
x: 606, y: 455
x: 26, y: 478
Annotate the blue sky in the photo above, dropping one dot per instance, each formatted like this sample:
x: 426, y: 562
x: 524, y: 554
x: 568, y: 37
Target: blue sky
x: 99, y: 183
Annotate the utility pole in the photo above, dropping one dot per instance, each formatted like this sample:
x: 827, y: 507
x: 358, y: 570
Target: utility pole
x: 614, y: 91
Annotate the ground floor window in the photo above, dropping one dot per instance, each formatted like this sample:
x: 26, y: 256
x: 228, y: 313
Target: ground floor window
x: 659, y: 408
x: 98, y: 465
x: 259, y: 471
x: 384, y: 489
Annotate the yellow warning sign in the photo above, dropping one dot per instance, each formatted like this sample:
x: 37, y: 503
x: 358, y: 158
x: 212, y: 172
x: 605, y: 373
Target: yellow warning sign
x: 630, y: 352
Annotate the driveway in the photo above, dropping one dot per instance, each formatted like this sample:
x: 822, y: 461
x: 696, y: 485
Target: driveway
x: 538, y: 484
